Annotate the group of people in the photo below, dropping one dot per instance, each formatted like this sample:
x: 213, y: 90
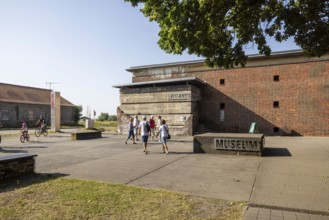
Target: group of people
x: 146, y: 128
x: 41, y: 123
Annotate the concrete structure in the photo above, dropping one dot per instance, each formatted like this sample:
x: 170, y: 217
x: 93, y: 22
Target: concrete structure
x: 18, y: 103
x: 285, y: 94
x: 16, y: 165
x: 55, y: 111
x: 229, y: 143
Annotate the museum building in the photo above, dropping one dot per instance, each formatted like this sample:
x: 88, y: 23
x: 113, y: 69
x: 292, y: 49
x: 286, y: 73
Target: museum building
x: 22, y: 103
x: 284, y: 94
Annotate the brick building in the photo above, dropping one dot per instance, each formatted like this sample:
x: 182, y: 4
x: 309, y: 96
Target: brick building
x: 18, y: 103
x: 285, y: 94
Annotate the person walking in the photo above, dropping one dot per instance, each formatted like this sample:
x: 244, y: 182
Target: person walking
x: 164, y: 134
x: 144, y: 131
x: 158, y: 125
x: 131, y: 131
x: 152, y: 126
x: 136, y: 125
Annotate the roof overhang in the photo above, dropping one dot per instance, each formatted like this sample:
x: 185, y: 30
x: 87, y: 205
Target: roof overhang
x: 287, y: 53
x: 168, y: 82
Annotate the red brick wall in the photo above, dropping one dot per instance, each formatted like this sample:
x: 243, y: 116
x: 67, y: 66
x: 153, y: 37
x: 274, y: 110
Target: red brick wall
x: 302, y: 92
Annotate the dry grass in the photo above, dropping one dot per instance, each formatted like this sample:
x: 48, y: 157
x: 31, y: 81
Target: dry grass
x: 65, y: 198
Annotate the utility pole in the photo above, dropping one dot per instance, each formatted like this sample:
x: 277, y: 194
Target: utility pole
x: 51, y: 83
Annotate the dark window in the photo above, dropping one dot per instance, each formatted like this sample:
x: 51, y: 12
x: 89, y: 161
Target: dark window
x: 4, y: 115
x: 222, y: 112
x: 276, y: 104
x: 276, y: 129
x: 276, y: 78
x: 222, y: 81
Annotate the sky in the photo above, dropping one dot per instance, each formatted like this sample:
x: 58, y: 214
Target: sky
x: 81, y: 47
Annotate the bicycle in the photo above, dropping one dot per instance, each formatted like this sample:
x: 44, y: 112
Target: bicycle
x: 39, y: 131
x: 24, y: 137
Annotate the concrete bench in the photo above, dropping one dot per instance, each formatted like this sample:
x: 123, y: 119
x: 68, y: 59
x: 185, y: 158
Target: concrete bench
x: 16, y: 164
x: 84, y: 135
x: 229, y: 143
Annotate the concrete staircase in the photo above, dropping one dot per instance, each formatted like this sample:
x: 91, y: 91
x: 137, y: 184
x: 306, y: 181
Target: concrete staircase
x: 202, y: 128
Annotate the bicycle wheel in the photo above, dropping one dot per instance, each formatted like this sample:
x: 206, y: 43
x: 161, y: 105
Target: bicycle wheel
x: 37, y: 132
x: 45, y: 132
x: 22, y: 138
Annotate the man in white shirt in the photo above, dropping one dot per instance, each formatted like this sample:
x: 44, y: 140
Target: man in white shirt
x: 144, y: 131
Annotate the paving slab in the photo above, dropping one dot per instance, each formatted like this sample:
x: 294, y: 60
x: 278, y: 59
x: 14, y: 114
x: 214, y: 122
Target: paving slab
x: 299, y: 181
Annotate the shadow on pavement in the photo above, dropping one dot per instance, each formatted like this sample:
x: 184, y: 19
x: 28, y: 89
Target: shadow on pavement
x: 12, y: 150
x: 27, y: 180
x: 173, y: 152
x: 276, y: 152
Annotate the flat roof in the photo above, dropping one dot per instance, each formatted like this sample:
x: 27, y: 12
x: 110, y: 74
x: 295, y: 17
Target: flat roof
x: 178, y: 81
x: 250, y: 56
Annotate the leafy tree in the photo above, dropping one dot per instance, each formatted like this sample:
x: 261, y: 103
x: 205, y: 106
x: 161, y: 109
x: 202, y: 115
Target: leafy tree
x: 103, y: 116
x: 112, y: 118
x: 77, y: 114
x: 219, y: 30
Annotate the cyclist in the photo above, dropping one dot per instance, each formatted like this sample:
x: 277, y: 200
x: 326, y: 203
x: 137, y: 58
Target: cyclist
x: 24, y: 129
x: 41, y: 123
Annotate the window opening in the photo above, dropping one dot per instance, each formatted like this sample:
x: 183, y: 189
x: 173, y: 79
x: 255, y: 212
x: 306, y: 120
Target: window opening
x: 276, y: 104
x: 222, y: 112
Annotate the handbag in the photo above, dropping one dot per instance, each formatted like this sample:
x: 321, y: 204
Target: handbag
x: 167, y: 132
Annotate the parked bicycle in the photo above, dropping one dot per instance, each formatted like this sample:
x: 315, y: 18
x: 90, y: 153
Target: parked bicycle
x: 41, y: 130
x: 24, y: 136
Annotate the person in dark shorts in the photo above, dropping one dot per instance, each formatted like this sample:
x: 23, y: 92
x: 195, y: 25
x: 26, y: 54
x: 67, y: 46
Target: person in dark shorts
x: 131, y: 131
x: 144, y: 131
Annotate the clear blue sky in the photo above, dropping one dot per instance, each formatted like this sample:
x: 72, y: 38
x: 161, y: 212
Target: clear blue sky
x: 84, y: 46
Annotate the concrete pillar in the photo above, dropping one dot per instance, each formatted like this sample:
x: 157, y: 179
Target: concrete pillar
x: 55, y: 107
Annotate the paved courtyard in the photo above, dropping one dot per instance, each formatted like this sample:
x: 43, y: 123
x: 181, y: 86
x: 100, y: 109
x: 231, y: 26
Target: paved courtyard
x: 290, y: 182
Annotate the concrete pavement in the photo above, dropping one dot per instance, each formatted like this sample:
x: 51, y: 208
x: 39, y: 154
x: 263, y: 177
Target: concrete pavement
x: 291, y: 180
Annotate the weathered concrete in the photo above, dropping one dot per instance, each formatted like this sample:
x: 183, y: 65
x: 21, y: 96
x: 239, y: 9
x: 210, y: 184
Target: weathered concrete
x: 16, y: 164
x: 83, y: 135
x: 229, y: 143
x: 176, y: 104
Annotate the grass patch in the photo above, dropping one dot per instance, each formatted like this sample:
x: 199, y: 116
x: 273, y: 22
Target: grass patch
x: 65, y: 198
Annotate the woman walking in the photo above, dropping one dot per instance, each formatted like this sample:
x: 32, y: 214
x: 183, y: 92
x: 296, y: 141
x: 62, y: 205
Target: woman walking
x: 164, y: 133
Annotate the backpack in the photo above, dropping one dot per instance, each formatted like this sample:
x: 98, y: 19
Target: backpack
x: 147, y: 126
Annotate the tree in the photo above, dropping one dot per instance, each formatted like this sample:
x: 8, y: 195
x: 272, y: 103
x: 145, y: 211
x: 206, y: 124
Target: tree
x: 219, y: 30
x: 103, y: 116
x: 77, y: 113
x: 112, y: 118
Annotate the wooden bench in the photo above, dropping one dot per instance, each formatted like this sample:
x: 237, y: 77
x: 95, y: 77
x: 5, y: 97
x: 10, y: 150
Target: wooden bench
x: 83, y: 135
x: 229, y: 143
x: 16, y: 164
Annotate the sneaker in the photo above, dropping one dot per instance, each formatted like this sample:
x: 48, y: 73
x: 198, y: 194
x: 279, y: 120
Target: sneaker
x: 167, y: 152
x: 134, y: 143
x: 125, y: 142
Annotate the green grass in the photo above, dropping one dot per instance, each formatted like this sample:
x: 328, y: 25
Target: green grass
x: 65, y: 198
